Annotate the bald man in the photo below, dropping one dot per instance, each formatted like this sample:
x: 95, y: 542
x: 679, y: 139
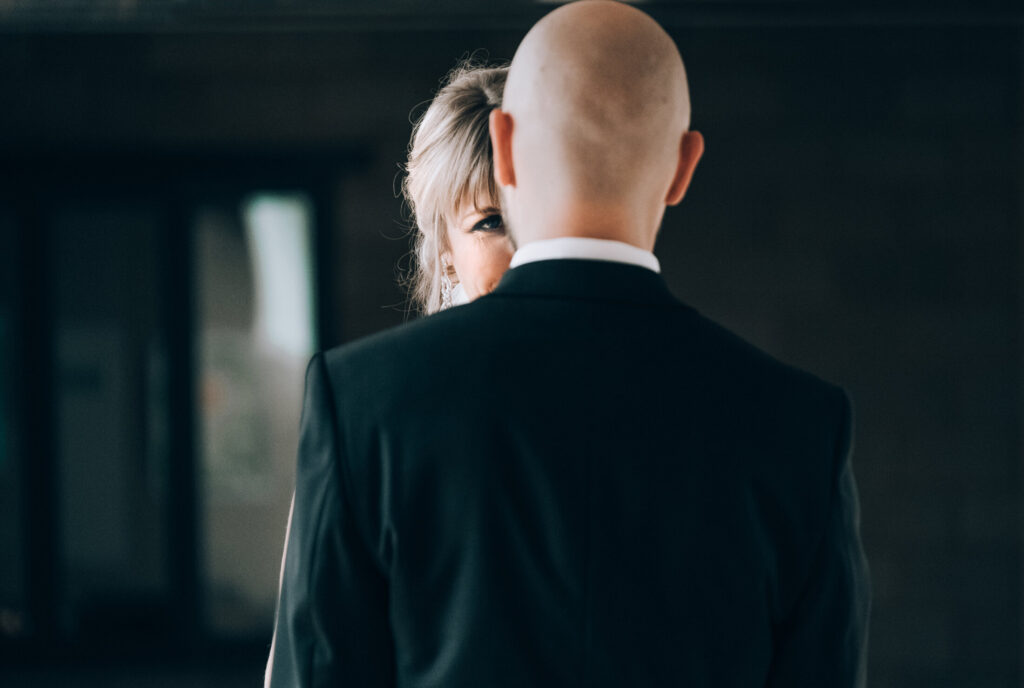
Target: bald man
x: 576, y: 480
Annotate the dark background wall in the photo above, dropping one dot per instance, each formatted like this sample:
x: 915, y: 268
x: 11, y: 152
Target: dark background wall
x: 858, y: 213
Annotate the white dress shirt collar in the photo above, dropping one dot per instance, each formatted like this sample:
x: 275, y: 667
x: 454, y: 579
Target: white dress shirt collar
x: 584, y: 248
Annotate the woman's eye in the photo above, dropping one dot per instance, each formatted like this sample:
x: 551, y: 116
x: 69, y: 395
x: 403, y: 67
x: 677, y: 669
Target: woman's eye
x: 491, y: 223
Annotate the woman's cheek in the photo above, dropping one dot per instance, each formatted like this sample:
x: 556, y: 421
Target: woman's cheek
x: 498, y: 262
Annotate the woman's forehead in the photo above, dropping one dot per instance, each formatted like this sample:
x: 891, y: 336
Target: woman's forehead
x: 476, y: 203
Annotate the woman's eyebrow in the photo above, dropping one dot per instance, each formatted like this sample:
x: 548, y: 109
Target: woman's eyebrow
x: 479, y: 211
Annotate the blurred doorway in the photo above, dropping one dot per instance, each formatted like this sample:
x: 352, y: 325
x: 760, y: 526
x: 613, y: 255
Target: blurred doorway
x: 255, y: 331
x: 110, y: 455
x: 13, y: 588
x: 166, y: 307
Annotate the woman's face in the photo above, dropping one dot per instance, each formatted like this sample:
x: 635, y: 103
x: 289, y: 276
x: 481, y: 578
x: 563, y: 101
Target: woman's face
x: 480, y: 249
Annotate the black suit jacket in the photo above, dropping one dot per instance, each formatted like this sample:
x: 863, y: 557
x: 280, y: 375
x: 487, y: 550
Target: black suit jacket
x: 574, y: 481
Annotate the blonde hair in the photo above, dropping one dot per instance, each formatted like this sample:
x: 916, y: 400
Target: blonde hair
x: 450, y: 165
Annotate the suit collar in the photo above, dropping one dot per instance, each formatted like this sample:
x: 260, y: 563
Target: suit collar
x: 585, y: 248
x: 594, y: 280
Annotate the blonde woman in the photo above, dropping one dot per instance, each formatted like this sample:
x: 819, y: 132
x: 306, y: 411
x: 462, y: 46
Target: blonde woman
x: 461, y: 246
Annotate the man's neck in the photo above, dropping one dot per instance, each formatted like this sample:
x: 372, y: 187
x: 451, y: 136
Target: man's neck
x: 594, y: 224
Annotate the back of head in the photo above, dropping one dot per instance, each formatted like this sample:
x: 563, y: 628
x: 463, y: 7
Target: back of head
x: 598, y: 96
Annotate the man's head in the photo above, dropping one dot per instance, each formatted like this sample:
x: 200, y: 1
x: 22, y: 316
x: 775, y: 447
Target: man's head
x: 592, y: 138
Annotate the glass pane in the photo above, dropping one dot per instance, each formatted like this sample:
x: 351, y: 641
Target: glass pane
x: 12, y: 563
x: 255, y: 335
x: 110, y: 416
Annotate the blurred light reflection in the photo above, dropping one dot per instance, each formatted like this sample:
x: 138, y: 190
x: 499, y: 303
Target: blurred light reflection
x: 277, y: 231
x: 255, y: 335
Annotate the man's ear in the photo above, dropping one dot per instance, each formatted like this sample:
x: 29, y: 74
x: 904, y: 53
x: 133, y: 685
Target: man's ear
x: 501, y: 145
x: 690, y: 150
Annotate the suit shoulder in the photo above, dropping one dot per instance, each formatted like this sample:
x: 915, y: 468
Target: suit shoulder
x: 749, y: 365
x: 393, y: 348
